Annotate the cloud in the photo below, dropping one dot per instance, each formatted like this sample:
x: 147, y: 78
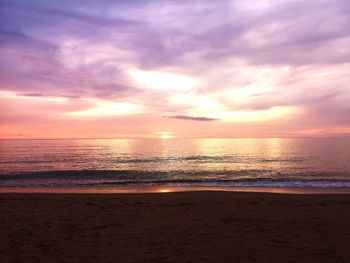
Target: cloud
x: 191, y: 118
x: 244, y: 55
x: 31, y: 94
x: 13, y: 134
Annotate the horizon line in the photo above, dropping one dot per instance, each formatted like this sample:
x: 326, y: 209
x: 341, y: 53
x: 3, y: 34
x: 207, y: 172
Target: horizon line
x: 172, y: 138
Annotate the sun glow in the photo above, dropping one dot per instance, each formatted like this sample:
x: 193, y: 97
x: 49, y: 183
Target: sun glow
x: 165, y: 135
x: 245, y: 116
x: 158, y: 80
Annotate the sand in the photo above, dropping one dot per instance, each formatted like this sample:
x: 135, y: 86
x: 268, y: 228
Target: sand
x: 175, y: 227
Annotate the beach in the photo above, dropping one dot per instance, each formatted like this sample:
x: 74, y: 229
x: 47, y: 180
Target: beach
x: 195, y: 226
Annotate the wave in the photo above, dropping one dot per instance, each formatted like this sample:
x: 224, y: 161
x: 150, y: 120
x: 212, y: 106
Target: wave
x: 195, y: 158
x: 240, y: 178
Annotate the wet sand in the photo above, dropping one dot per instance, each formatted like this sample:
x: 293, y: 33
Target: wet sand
x: 202, y: 226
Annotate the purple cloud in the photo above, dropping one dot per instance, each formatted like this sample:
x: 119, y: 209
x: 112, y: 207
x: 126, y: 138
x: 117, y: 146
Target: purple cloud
x: 245, y: 55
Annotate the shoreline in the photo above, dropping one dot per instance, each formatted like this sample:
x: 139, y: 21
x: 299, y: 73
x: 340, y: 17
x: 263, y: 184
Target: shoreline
x: 170, y: 189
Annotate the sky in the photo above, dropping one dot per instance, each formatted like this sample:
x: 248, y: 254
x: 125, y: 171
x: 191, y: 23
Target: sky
x: 149, y: 69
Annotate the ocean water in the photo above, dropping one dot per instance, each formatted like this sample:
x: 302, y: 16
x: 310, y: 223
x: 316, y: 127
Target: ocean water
x: 271, y: 162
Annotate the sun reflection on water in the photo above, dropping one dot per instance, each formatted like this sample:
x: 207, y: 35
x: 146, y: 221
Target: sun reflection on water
x: 164, y: 190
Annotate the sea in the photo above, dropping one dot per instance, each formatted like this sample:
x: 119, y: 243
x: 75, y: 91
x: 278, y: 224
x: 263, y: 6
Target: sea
x: 236, y: 162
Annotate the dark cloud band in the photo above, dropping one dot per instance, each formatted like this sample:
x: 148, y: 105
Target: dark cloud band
x: 191, y: 118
